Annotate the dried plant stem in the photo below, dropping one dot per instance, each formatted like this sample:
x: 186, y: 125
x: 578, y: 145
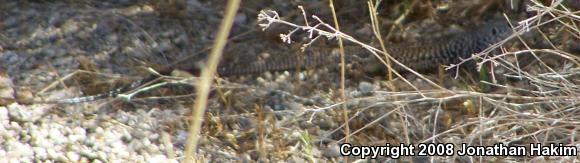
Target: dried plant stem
x: 207, y: 74
x: 342, y: 74
x: 376, y: 30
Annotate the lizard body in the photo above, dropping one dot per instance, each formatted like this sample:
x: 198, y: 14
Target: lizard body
x: 420, y: 56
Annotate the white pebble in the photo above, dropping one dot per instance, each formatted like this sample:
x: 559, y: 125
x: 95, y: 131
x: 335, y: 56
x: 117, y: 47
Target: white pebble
x: 79, y: 131
x: 120, y: 149
x: 102, y: 155
x: 73, y: 156
x: 19, y: 113
x: 57, y: 137
x: 51, y: 153
x: 78, y: 134
x: 88, y: 153
x: 40, y: 153
x: 153, y: 148
x: 4, y: 115
x: 157, y: 158
x: 15, y: 126
x: 146, y: 142
x: 17, y: 149
x: 99, y: 130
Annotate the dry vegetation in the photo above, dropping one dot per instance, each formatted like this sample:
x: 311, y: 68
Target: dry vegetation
x: 529, y: 93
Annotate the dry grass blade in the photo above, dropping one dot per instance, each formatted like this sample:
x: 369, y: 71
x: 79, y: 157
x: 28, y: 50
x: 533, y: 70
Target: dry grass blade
x: 207, y: 74
x: 342, y: 73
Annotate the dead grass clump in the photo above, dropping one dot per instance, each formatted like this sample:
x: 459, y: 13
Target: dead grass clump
x: 537, y: 104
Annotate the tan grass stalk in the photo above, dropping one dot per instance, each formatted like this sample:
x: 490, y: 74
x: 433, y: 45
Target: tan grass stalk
x: 342, y: 75
x: 207, y: 74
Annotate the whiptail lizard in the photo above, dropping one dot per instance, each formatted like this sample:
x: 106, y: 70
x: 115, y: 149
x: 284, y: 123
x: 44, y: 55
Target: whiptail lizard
x: 420, y: 56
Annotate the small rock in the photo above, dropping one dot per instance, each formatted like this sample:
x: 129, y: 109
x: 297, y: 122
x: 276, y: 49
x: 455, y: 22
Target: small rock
x: 146, y: 142
x: 73, y: 156
x: 153, y: 148
x: 19, y: 150
x: 6, y: 89
x: 88, y: 154
x: 18, y: 113
x: 366, y: 88
x: 78, y: 134
x: 24, y: 95
x: 4, y: 118
x: 157, y: 158
x: 331, y: 151
x: 136, y: 145
x: 40, y: 153
x: 102, y: 155
x: 246, y: 123
x: 56, y: 136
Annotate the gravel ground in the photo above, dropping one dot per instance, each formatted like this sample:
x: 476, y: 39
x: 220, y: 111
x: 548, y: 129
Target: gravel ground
x: 41, y: 46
